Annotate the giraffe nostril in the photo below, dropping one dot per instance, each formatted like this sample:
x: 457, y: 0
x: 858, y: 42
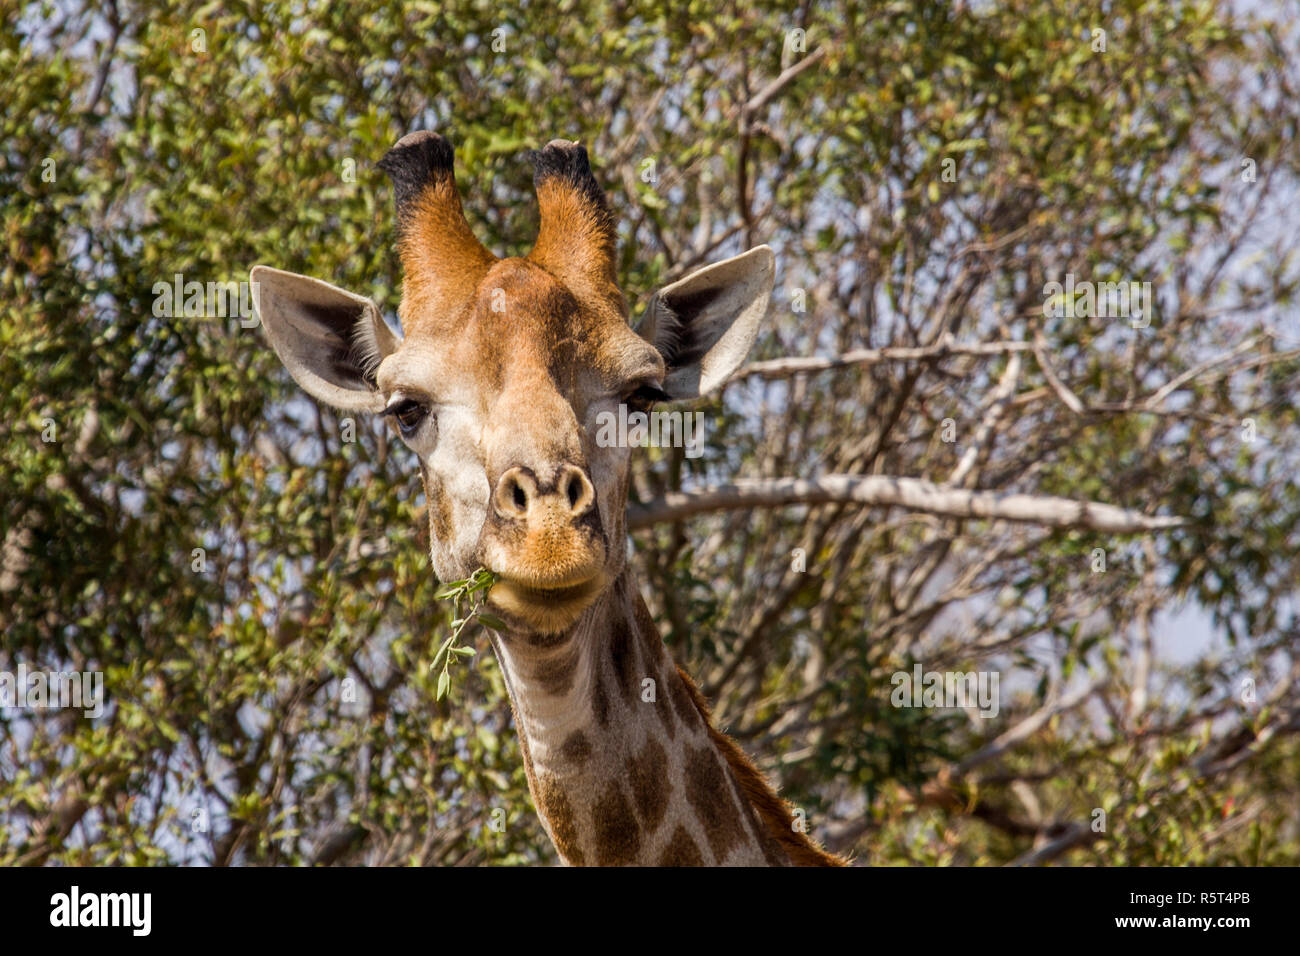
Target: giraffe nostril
x: 519, y: 497
x: 577, y: 490
x: 514, y: 493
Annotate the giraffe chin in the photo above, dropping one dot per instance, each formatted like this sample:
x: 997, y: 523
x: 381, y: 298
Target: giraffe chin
x: 546, y: 610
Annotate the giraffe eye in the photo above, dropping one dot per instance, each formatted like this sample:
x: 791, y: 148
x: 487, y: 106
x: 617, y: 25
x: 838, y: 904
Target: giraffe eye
x: 408, y: 414
x: 645, y: 396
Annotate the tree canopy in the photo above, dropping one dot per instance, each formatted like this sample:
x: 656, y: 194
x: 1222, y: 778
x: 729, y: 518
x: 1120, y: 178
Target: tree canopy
x: 947, y: 186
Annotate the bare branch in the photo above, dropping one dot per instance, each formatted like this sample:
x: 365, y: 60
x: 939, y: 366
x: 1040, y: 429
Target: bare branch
x: 787, y: 367
x: 1067, y: 397
x: 964, y: 475
x: 1077, y: 834
x: 882, y: 490
x: 1027, y: 728
x: 784, y: 79
x: 1172, y: 386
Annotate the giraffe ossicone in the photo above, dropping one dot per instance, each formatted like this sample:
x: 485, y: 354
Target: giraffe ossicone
x: 503, y: 371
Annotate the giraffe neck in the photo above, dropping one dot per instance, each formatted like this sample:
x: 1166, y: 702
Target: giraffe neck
x: 622, y: 763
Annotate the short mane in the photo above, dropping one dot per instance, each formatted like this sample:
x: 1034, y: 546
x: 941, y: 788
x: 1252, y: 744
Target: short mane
x: 775, y: 813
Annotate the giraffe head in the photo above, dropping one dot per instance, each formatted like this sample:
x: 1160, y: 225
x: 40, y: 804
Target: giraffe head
x: 505, y: 368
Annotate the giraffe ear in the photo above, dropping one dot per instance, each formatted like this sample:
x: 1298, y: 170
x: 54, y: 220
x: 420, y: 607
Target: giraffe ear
x: 329, y: 339
x: 705, y: 324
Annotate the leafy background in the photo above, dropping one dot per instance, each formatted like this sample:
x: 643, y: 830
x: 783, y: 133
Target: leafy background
x: 230, y: 735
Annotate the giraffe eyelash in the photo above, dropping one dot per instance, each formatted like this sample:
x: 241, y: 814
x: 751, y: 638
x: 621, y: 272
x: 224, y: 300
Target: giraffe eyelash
x: 645, y: 395
x: 407, y: 412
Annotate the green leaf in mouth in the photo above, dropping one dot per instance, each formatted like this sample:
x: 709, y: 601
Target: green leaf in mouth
x: 473, y: 590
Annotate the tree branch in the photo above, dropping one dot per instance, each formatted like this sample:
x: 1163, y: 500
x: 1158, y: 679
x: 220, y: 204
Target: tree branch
x: 964, y: 474
x: 913, y: 493
x: 786, y: 77
x: 788, y: 367
x: 1076, y: 834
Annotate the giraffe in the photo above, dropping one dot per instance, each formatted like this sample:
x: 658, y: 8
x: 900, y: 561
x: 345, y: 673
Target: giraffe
x: 504, y: 366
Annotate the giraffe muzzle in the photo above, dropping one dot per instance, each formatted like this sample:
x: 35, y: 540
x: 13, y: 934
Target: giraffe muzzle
x: 544, y: 540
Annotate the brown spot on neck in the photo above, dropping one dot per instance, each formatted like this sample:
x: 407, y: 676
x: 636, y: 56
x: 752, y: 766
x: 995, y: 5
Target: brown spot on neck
x: 647, y: 774
x: 681, y: 850
x: 545, y: 641
x: 618, y: 838
x: 576, y: 750
x: 622, y: 650
x: 664, y: 709
x: 556, y: 810
x: 554, y: 674
x: 600, y: 702
x: 647, y: 636
x: 711, y: 797
x: 646, y: 629
x: 681, y: 700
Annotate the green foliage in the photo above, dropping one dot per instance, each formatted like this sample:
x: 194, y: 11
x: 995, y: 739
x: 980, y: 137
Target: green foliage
x: 249, y: 569
x: 474, y: 589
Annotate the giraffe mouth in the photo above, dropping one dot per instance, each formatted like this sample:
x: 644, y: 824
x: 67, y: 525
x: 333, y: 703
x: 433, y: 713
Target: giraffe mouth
x: 547, y: 607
